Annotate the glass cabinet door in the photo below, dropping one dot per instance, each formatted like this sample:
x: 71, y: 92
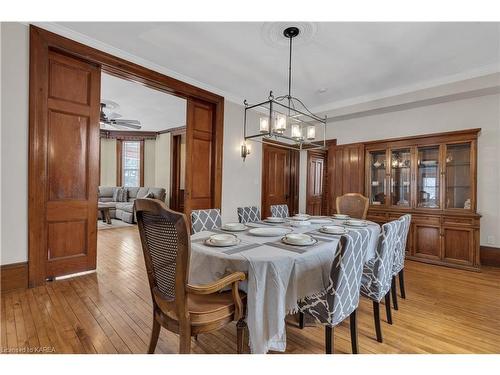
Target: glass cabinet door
x: 377, y: 167
x: 428, y: 174
x: 458, y: 176
x: 401, y: 177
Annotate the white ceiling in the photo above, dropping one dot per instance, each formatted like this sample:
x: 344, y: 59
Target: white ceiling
x: 154, y: 109
x: 349, y: 60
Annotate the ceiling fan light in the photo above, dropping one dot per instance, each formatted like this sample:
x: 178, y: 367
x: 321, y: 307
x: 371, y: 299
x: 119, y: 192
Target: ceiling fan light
x: 311, y: 132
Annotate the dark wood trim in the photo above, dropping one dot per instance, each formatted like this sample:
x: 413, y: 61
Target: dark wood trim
x: 127, y: 135
x: 177, y: 130
x: 424, y: 139
x: 14, y: 276
x: 490, y: 256
x: 119, y: 162
x: 175, y: 174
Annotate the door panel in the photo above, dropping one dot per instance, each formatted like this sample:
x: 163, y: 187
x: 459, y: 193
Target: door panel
x: 278, y: 178
x: 459, y: 245
x: 315, y: 191
x: 64, y: 167
x: 427, y: 241
x: 200, y: 157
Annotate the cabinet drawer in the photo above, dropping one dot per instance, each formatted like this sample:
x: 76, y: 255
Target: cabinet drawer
x: 432, y: 220
x: 451, y: 220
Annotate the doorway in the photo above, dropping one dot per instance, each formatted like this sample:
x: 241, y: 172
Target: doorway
x: 316, y: 200
x: 280, y: 177
x: 64, y: 149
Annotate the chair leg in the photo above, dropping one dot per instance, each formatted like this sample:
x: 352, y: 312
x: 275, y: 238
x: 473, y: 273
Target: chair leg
x: 388, y: 307
x: 376, y: 318
x: 240, y: 334
x: 394, y: 293
x: 155, y: 333
x: 328, y: 340
x: 402, y: 283
x: 301, y: 320
x: 185, y: 340
x: 354, y: 332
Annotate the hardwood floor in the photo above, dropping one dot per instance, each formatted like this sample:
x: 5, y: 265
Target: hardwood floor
x: 446, y: 311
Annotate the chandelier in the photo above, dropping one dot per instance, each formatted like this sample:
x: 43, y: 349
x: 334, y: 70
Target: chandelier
x: 284, y: 118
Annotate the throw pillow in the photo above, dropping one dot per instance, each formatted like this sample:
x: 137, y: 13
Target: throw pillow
x: 150, y: 195
x: 120, y: 195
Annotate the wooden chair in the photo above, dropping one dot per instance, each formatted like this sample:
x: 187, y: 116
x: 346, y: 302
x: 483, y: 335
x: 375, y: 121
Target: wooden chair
x: 353, y: 204
x: 187, y: 310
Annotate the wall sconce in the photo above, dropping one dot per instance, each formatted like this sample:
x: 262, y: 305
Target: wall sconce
x: 245, y: 150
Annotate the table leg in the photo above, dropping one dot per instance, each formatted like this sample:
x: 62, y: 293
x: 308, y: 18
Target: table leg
x: 107, y: 216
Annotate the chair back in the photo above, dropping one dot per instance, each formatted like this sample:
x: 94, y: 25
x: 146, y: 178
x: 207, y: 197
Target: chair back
x: 341, y: 297
x: 353, y: 204
x: 205, y: 220
x: 248, y: 214
x: 166, y: 246
x: 384, y: 259
x: 279, y: 210
x: 399, y: 256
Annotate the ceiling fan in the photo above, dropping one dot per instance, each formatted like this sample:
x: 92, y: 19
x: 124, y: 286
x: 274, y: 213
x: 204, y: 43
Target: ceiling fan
x: 113, y: 119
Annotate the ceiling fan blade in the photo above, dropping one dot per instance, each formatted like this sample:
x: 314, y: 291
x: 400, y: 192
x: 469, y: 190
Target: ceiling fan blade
x: 123, y: 121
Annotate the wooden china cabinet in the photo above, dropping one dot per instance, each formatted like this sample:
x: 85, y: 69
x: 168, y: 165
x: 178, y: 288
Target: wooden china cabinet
x: 432, y: 177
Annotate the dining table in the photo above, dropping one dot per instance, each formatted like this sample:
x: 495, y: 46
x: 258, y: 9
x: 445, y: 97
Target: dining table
x: 278, y: 274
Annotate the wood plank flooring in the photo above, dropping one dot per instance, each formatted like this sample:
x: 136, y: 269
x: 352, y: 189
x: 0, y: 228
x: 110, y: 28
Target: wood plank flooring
x: 446, y: 311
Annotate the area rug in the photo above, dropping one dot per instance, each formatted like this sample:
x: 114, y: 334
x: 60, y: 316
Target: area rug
x: 115, y: 223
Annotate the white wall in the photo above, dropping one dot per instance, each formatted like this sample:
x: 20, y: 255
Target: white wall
x: 162, y: 165
x: 481, y: 112
x: 108, y: 162
x: 14, y: 142
x: 150, y: 162
x: 241, y: 180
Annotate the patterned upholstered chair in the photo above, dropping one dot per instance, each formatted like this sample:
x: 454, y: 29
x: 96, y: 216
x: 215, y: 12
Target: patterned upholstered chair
x: 341, y: 298
x: 187, y: 310
x: 353, y: 204
x: 248, y: 214
x: 399, y: 259
x: 205, y: 220
x: 377, y: 273
x: 279, y: 210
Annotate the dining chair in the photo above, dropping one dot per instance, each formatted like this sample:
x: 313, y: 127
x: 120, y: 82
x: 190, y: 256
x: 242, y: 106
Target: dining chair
x: 205, y: 220
x: 187, y: 310
x: 248, y: 214
x: 279, y: 210
x: 399, y: 259
x: 341, y: 298
x: 377, y: 273
x: 353, y: 204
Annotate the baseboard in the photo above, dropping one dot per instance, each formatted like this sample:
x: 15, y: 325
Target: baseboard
x: 490, y: 256
x: 14, y: 276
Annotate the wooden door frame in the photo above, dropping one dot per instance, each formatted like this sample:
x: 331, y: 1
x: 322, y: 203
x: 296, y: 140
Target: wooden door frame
x: 294, y: 175
x: 324, y: 200
x: 41, y: 41
x: 175, y: 169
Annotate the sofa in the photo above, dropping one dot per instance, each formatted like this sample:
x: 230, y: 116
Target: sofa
x: 125, y: 210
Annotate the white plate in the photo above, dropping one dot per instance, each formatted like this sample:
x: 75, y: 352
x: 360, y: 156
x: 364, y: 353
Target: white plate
x: 356, y: 223
x: 299, y: 239
x: 333, y: 229
x: 320, y: 221
x: 219, y: 243
x: 299, y: 217
x: 341, y: 217
x: 234, y: 227
x: 276, y: 220
x: 269, y: 232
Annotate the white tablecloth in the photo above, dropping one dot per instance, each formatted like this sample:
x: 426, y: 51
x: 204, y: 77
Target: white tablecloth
x: 278, y: 276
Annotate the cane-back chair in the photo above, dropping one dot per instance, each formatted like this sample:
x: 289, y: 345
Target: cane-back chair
x: 353, y: 204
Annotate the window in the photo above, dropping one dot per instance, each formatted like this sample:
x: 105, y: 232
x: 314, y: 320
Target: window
x: 130, y: 156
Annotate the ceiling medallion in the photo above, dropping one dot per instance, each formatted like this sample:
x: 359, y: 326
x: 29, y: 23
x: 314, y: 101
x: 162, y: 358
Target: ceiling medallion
x: 286, y: 118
